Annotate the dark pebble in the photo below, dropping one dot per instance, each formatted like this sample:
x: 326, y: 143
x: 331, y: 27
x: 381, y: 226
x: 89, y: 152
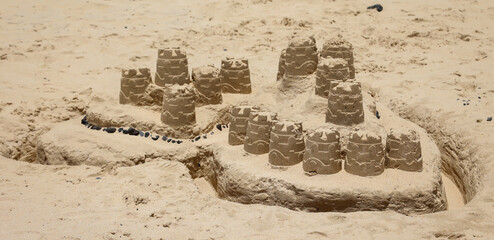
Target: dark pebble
x: 218, y: 126
x: 164, y: 138
x: 378, y: 7
x: 489, y: 119
x: 111, y: 130
x: 197, y: 138
x: 125, y: 132
x: 141, y: 133
x: 120, y: 129
x: 173, y: 141
x: 464, y: 104
x: 178, y: 142
x: 146, y: 134
x: 205, y: 136
x: 212, y: 133
x: 97, y: 128
x: 133, y: 132
x: 377, y: 115
x: 479, y: 97
x: 169, y: 140
x: 89, y: 125
x: 155, y: 138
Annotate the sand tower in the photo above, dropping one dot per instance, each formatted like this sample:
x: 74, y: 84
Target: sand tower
x: 178, y: 105
x: 258, y: 130
x: 301, y: 56
x: 330, y: 70
x: 286, y: 143
x: 322, y: 151
x: 235, y: 76
x: 133, y: 85
x: 403, y: 150
x: 365, y: 154
x: 207, y: 85
x: 339, y: 48
x: 281, y: 65
x: 171, y: 67
x: 345, y: 106
x: 239, y: 117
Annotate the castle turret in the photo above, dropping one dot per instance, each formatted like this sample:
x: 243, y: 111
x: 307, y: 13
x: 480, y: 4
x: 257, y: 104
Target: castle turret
x: 133, y: 85
x: 258, y: 130
x: 339, y: 48
x: 239, y: 117
x: 322, y: 151
x: 178, y: 105
x: 301, y: 56
x: 286, y: 143
x: 207, y: 85
x: 365, y: 154
x: 330, y: 70
x: 171, y: 67
x: 235, y: 76
x: 345, y: 106
x: 403, y: 150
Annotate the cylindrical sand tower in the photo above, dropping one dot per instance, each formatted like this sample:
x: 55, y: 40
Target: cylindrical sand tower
x: 171, y: 67
x: 235, y: 76
x: 365, y: 154
x: 339, y: 48
x: 239, y: 117
x: 403, y: 150
x: 330, y: 70
x: 207, y: 85
x: 345, y: 106
x: 133, y: 85
x: 301, y: 56
x: 322, y: 152
x: 286, y: 143
x: 178, y: 105
x: 258, y: 130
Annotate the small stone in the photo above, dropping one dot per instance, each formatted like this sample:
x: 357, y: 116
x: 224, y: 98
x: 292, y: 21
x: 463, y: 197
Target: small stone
x: 155, y: 138
x: 479, y: 97
x: 164, y: 138
x: 479, y: 120
x: 110, y: 130
x: 173, y: 141
x: 97, y: 128
x: 178, y: 142
x: 141, y: 133
x: 89, y: 125
x: 489, y: 119
x: 146, y: 134
x: 212, y: 133
x: 377, y: 115
x: 197, y: 138
x: 133, y: 132
x: 169, y: 140
x: 218, y: 126
x: 120, y: 129
x: 205, y: 136
x: 125, y: 131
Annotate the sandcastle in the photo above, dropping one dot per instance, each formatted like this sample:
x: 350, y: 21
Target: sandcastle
x: 301, y: 56
x: 171, y: 67
x: 133, y: 85
x: 286, y: 143
x: 339, y: 48
x: 207, y: 85
x: 344, y: 144
x: 235, y: 76
x: 330, y: 70
x: 258, y: 131
x: 403, y: 150
x: 239, y: 117
x: 365, y: 154
x: 178, y: 105
x: 322, y: 152
x: 345, y: 106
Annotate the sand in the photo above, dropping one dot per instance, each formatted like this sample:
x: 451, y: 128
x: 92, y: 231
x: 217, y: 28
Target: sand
x: 424, y: 60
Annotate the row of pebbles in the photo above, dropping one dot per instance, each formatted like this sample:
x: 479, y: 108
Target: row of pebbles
x: 134, y: 132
